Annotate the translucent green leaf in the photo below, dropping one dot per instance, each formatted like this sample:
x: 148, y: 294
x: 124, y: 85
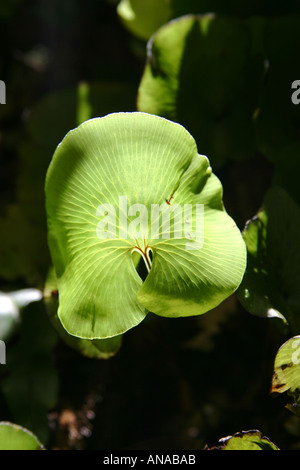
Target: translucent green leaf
x: 205, y: 72
x: 99, y: 174
x: 270, y: 287
x: 246, y: 440
x: 14, y: 437
x: 96, y: 348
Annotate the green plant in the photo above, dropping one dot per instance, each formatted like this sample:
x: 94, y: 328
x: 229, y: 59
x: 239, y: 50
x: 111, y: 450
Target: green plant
x: 144, y: 162
x: 165, y: 268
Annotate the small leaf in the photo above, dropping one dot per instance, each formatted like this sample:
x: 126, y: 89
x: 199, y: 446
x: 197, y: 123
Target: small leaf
x: 246, y: 440
x: 15, y: 437
x: 286, y: 375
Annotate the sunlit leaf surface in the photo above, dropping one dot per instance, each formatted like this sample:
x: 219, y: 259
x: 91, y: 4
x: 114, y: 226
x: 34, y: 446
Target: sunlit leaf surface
x: 103, y: 169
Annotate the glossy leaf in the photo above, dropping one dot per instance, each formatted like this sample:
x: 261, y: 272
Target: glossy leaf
x: 270, y: 287
x: 146, y: 160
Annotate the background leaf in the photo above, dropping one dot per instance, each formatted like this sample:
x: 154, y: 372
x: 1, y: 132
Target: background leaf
x: 197, y: 71
x: 271, y: 283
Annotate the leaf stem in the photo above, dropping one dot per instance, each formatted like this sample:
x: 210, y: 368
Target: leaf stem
x: 145, y: 254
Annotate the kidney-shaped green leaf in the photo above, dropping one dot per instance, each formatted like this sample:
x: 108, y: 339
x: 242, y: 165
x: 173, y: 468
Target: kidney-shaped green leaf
x: 134, y: 182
